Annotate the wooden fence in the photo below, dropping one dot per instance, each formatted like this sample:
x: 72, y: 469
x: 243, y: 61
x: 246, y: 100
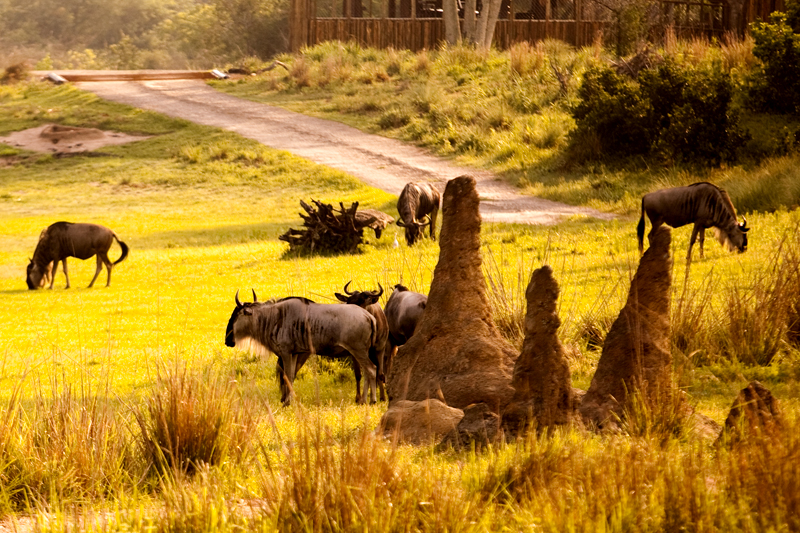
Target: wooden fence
x: 419, y: 34
x: 577, y: 22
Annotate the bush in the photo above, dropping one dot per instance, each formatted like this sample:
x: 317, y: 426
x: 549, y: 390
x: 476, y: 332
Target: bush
x: 613, y: 112
x: 677, y: 113
x: 775, y: 84
x: 693, y: 114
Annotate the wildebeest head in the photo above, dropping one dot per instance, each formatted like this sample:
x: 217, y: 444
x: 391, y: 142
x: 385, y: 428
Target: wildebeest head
x: 241, y: 309
x: 35, y: 276
x: 359, y: 298
x: 734, y: 237
x: 414, y: 229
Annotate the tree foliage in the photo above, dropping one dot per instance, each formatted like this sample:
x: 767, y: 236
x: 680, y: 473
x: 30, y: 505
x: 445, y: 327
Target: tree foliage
x: 775, y: 85
x: 145, y: 33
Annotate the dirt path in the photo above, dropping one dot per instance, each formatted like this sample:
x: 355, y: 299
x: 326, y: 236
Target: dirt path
x: 383, y: 163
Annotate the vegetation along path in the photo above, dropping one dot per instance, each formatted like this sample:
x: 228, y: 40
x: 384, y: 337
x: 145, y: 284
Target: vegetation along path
x: 381, y: 162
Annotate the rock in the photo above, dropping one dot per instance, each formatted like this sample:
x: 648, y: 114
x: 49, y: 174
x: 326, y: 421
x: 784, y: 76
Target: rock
x: 702, y: 427
x: 479, y: 427
x: 542, y: 381
x: 57, y: 132
x: 419, y: 422
x: 456, y: 353
x: 636, y: 352
x: 755, y: 411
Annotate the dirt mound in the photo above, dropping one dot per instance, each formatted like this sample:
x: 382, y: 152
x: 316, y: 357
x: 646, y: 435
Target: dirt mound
x: 58, y: 139
x: 636, y: 352
x: 456, y: 354
x: 542, y: 383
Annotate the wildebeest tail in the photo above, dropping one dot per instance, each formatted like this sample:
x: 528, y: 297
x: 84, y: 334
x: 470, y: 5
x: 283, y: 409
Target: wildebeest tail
x: 125, y: 250
x: 640, y: 230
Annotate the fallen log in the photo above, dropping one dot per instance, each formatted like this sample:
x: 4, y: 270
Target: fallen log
x: 327, y: 229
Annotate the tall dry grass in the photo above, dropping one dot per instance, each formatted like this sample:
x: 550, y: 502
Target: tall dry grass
x: 191, y: 421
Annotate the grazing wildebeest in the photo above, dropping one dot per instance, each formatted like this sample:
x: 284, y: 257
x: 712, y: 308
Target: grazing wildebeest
x: 66, y: 239
x: 403, y: 312
x: 703, y: 204
x: 294, y: 328
x: 418, y: 206
x: 369, y: 301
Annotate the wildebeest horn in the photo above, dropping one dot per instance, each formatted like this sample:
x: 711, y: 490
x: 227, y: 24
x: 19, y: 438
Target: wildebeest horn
x: 400, y: 223
x: 378, y: 293
x: 255, y: 298
x: 345, y: 288
x: 743, y: 225
x: 238, y: 303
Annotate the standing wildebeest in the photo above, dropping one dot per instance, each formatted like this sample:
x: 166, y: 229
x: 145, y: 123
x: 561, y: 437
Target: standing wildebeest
x: 294, y: 328
x: 369, y: 300
x: 403, y: 313
x: 703, y: 204
x: 65, y: 239
x: 418, y: 206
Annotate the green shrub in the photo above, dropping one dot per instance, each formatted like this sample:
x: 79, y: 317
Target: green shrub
x: 394, y: 118
x: 693, y: 113
x: 612, y: 112
x: 677, y: 113
x: 775, y: 84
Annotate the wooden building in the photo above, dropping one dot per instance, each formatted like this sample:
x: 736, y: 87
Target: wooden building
x: 418, y: 24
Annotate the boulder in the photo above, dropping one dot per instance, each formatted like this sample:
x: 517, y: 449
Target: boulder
x: 456, y: 354
x: 754, y: 412
x: 478, y: 428
x: 636, y: 355
x: 419, y: 422
x: 541, y: 380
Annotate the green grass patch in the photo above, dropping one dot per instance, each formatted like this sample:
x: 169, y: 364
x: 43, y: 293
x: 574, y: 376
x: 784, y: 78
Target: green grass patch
x: 201, y: 210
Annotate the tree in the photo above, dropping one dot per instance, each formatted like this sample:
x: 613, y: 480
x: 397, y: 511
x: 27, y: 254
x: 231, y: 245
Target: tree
x: 478, y: 28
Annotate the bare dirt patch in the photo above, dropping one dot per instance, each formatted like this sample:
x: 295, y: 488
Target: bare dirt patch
x: 58, y: 139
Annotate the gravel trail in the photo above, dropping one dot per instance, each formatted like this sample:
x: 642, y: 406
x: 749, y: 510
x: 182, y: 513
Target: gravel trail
x: 384, y: 163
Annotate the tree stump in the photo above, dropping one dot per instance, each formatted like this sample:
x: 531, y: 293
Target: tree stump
x: 327, y: 229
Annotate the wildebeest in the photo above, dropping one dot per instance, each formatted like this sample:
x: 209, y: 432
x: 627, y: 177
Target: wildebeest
x: 293, y: 328
x: 418, y: 206
x: 369, y: 300
x: 703, y: 204
x: 67, y: 239
x: 403, y: 312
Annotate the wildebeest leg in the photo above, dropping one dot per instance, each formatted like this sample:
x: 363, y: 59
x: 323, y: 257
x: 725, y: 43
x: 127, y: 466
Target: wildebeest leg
x: 66, y: 275
x: 53, y: 273
x: 701, y: 238
x: 357, y: 372
x: 98, y: 269
x: 371, y: 372
x: 433, y: 215
x: 695, y: 232
x: 287, y: 364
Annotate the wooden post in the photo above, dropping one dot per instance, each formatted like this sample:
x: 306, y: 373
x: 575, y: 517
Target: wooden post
x: 579, y: 35
x: 298, y: 24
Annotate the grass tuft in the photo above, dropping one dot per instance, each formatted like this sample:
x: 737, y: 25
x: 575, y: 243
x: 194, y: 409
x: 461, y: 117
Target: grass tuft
x: 192, y: 422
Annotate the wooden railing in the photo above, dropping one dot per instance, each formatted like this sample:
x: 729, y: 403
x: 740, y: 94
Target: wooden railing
x: 418, y: 34
x: 533, y: 20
